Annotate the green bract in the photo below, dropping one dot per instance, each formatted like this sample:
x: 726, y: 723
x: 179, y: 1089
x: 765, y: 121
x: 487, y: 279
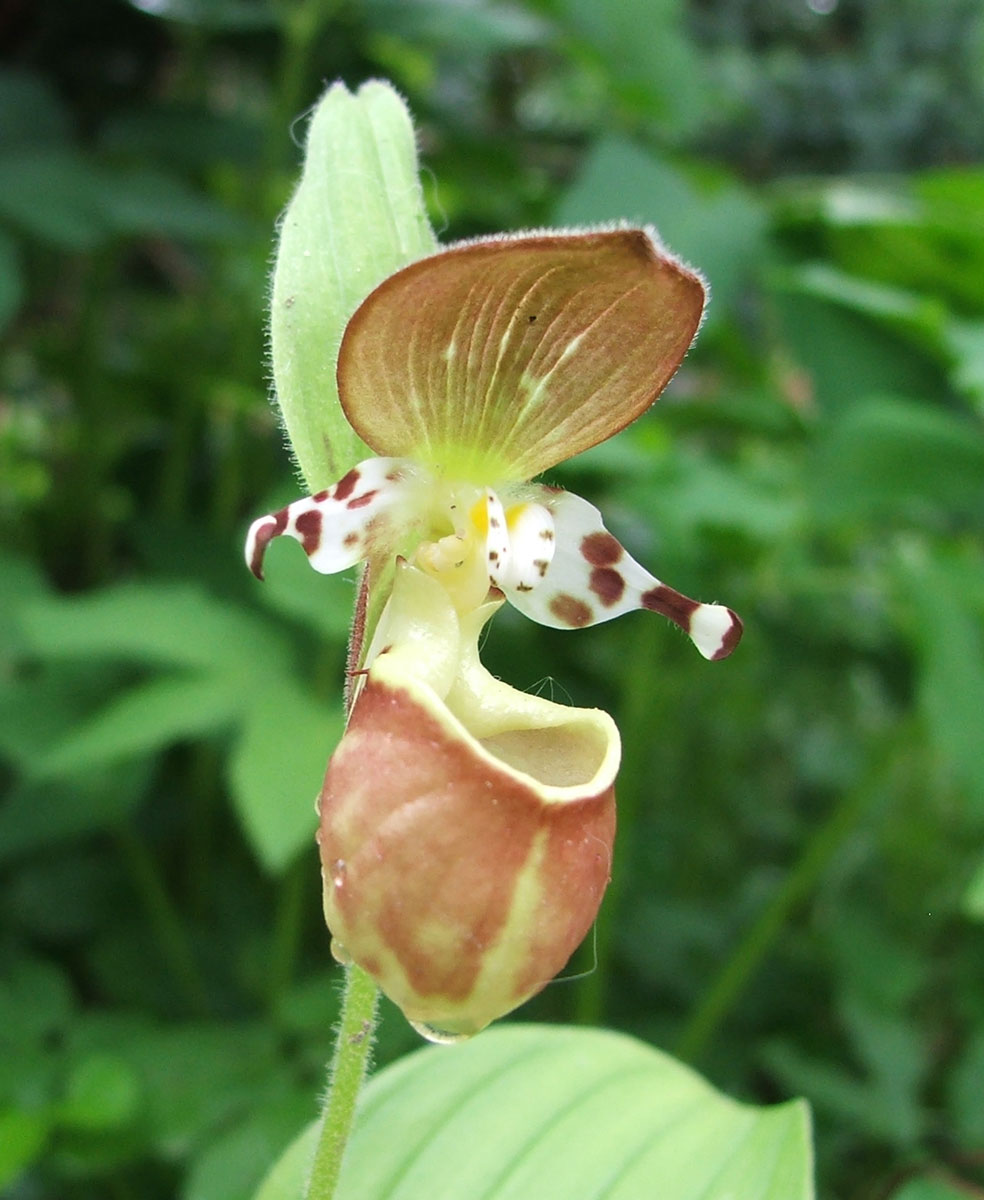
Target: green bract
x: 357, y: 216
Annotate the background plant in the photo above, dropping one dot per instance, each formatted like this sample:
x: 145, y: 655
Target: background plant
x: 797, y: 901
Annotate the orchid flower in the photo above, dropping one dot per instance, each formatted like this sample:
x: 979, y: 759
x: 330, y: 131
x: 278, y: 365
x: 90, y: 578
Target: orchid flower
x: 467, y: 828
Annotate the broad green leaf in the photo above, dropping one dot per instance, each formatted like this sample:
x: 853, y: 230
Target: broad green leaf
x: 198, y: 1079
x: 38, y: 816
x: 163, y: 624
x: 276, y: 769
x: 965, y: 343
x: 22, y: 1138
x: 102, y: 1093
x: 892, y: 456
x: 145, y: 719
x: 846, y: 355
x: 712, y: 222
x: 36, y: 1001
x: 931, y: 1187
x: 21, y: 582
x: 53, y: 194
x: 949, y: 639
x: 230, y: 1167
x: 526, y: 1111
x: 356, y: 217
x: 145, y: 201
x: 648, y: 60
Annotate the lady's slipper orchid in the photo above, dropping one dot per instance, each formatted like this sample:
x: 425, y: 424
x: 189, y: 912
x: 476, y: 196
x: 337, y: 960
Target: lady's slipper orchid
x: 466, y: 828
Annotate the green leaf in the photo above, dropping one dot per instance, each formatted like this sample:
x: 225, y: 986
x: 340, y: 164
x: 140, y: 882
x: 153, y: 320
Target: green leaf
x: 53, y: 194
x: 276, y: 769
x: 39, y: 815
x: 712, y: 222
x: 930, y: 1187
x: 163, y: 624
x: 965, y: 343
x: 197, y: 1079
x: 145, y: 719
x: 102, y: 1093
x: 36, y: 1001
x: 231, y: 1166
x: 145, y: 201
x: 22, y: 1138
x: 887, y: 456
x: 650, y: 62
x: 356, y: 217
x: 525, y: 1111
x: 950, y: 646
x: 846, y: 355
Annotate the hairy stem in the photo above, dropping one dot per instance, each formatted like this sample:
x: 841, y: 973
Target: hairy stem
x: 353, y: 1050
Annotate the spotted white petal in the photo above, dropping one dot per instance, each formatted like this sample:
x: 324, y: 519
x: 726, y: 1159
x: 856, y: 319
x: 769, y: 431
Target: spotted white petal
x: 491, y: 515
x: 339, y: 526
x: 530, y: 529
x: 592, y: 578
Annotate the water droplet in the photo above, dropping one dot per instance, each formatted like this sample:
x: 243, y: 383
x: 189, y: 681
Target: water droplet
x: 338, y: 872
x: 442, y: 1037
x: 339, y: 953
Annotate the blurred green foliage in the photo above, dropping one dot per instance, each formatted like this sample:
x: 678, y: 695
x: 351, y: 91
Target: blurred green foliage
x: 797, y: 899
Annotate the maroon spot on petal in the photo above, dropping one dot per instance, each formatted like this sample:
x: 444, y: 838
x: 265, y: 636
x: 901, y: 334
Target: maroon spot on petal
x: 601, y: 549
x: 541, y: 565
x: 350, y: 540
x: 363, y: 500
x: 308, y: 526
x: 607, y: 584
x: 276, y: 524
x: 346, y: 485
x: 670, y: 603
x: 547, y: 535
x: 493, y: 522
x: 570, y: 610
x: 731, y: 638
x: 493, y: 556
x: 524, y: 587
x: 396, y: 474
x: 321, y: 497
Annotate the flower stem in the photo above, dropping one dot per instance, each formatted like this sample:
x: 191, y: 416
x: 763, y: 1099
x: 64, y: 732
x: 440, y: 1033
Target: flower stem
x: 353, y: 1049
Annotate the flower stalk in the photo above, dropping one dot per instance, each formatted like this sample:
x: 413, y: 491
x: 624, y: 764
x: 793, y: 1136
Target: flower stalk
x: 350, y: 1063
